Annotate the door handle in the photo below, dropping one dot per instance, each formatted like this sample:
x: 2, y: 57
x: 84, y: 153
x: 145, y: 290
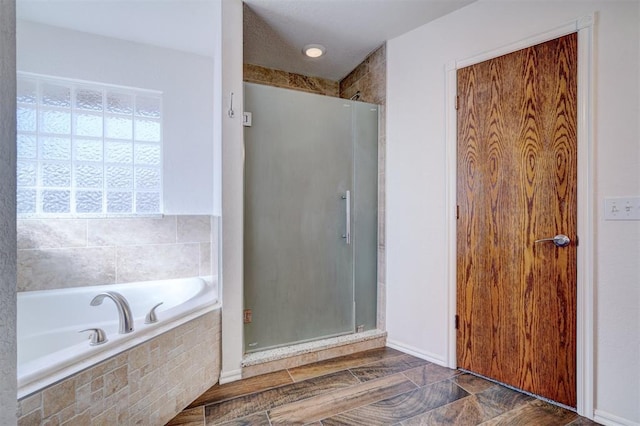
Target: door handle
x: 347, y: 200
x: 559, y: 240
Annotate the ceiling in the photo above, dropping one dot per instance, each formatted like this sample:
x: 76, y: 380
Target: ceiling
x: 275, y: 31
x: 186, y: 25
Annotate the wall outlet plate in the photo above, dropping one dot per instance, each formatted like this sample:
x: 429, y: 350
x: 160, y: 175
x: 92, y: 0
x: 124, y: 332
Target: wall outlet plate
x: 622, y: 208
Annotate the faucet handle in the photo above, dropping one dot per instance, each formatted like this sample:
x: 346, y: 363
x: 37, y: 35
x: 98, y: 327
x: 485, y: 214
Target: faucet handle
x: 151, y: 316
x: 97, y: 336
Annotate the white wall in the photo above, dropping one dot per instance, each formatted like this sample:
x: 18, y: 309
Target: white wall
x: 8, y: 383
x: 416, y: 178
x: 185, y: 79
x: 232, y: 133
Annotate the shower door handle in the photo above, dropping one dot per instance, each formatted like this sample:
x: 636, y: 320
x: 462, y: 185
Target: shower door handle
x: 347, y: 199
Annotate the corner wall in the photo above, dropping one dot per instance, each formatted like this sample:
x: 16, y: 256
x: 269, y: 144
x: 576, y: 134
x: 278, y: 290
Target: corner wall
x: 8, y: 383
x: 416, y: 179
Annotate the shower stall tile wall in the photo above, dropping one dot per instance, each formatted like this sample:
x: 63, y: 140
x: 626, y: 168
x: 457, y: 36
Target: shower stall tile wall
x: 368, y: 78
x: 289, y: 80
x: 62, y: 253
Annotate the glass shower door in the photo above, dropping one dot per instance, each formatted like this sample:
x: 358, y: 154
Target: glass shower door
x: 298, y: 263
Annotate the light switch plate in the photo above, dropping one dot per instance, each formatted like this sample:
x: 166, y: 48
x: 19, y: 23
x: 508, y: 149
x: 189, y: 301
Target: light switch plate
x: 622, y: 208
x: 246, y: 119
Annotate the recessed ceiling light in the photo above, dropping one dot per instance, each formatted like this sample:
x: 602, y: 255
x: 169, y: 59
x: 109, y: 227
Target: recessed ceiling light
x: 314, y: 50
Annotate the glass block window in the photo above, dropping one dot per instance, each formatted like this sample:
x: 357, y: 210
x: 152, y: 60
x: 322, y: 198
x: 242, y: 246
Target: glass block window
x: 87, y: 148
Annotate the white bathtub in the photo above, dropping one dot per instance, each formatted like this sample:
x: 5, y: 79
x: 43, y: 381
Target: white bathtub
x: 50, y: 347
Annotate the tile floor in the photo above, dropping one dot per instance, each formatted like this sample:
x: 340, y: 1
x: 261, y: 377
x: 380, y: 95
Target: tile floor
x: 376, y: 387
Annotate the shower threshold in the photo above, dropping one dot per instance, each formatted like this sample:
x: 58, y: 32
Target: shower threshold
x: 277, y: 354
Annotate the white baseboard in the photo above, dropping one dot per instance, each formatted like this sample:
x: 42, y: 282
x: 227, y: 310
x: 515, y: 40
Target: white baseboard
x: 609, y: 419
x: 436, y: 359
x: 230, y: 376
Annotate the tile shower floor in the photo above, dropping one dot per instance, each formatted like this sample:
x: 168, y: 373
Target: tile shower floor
x: 376, y: 387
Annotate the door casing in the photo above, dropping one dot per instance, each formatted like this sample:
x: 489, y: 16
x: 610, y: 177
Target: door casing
x: 584, y: 27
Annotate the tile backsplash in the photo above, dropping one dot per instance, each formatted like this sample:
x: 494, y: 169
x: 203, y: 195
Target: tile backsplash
x: 62, y: 253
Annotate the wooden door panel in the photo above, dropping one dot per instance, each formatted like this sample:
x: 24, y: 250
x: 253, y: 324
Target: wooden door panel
x: 517, y: 150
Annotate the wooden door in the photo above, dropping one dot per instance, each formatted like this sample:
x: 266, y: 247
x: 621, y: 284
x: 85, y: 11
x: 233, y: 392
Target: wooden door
x: 516, y: 183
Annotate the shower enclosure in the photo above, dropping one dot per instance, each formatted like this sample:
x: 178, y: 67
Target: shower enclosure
x: 310, y: 217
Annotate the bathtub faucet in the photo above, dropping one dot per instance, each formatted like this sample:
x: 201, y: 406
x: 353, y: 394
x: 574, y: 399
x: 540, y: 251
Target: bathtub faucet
x: 124, y: 311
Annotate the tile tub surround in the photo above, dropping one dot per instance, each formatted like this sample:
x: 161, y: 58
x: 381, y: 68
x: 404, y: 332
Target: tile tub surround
x: 62, y: 253
x: 148, y: 384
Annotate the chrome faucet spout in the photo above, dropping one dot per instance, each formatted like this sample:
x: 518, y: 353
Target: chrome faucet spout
x: 124, y: 311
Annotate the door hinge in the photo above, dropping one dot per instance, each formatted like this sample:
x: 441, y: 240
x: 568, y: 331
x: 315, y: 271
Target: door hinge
x: 457, y: 102
x: 457, y: 322
x: 247, y: 316
x: 457, y: 212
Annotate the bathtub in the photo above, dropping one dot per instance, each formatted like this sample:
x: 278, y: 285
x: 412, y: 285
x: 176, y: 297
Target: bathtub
x: 51, y: 348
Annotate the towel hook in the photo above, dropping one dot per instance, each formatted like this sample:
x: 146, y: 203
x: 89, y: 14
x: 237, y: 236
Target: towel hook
x: 231, y: 112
